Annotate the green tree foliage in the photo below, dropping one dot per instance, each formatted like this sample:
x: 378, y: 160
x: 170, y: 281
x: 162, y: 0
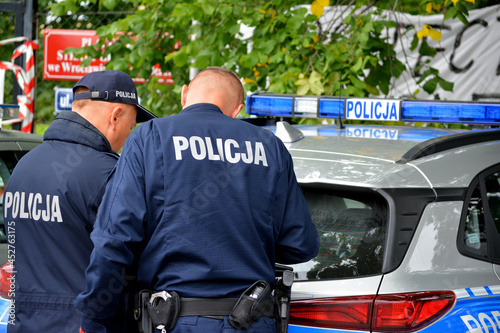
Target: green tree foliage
x: 285, y: 51
x: 88, y: 17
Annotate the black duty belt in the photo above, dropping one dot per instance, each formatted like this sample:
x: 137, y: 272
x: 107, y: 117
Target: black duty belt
x: 214, y: 307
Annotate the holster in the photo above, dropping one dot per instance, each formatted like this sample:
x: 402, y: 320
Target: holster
x: 141, y: 315
x: 282, y: 297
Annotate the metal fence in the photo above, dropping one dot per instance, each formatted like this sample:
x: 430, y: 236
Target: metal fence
x: 90, y: 18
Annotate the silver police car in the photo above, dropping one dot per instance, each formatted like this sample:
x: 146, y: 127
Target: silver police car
x: 409, y: 217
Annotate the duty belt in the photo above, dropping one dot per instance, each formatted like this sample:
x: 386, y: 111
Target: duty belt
x: 162, y: 309
x: 215, y: 307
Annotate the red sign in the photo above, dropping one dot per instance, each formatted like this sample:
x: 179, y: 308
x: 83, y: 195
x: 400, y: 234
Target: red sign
x: 60, y: 66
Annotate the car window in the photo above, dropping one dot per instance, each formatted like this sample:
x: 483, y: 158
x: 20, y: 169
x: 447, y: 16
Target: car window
x: 475, y: 232
x: 480, y: 229
x: 352, y: 229
x: 492, y: 183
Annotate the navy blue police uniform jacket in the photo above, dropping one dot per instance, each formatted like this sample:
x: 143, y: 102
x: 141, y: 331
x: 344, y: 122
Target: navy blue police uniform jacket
x: 50, y: 205
x: 204, y: 205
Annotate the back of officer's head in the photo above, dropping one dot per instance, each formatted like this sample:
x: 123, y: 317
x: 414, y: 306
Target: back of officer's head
x: 114, y: 120
x: 217, y: 86
x: 109, y: 101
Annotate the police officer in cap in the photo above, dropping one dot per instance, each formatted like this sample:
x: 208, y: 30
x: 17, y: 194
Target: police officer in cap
x: 51, y: 200
x: 203, y: 205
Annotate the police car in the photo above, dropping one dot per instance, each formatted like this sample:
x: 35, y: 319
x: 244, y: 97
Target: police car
x: 409, y: 217
x: 13, y: 146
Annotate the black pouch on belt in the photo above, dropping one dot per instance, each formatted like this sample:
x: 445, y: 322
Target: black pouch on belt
x: 163, y: 309
x: 251, y: 305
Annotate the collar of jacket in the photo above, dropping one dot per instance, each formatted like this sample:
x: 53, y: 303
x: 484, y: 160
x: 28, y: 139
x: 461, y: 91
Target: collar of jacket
x: 69, y: 126
x: 201, y: 107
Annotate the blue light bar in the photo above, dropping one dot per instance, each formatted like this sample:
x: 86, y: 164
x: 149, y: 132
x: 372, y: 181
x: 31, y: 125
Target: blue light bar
x: 275, y: 105
x: 451, y: 112
x: 331, y: 108
x: 270, y: 105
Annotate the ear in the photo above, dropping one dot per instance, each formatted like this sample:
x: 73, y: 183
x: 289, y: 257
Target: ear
x: 236, y: 111
x: 116, y: 113
x: 184, y: 95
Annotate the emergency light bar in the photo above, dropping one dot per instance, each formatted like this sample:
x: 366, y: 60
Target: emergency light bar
x: 275, y: 105
x: 8, y: 111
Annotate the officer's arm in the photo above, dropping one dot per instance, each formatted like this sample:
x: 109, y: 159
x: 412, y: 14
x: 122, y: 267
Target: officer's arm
x: 298, y: 239
x: 118, y: 232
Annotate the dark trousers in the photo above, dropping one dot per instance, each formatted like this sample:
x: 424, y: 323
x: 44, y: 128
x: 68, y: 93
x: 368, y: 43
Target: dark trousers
x: 194, y: 324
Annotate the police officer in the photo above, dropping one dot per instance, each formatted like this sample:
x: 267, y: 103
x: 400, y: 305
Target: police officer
x: 203, y: 204
x: 51, y: 200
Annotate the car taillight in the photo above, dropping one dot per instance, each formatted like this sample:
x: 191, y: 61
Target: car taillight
x: 337, y: 312
x: 396, y: 312
x: 5, y: 280
x: 410, y: 311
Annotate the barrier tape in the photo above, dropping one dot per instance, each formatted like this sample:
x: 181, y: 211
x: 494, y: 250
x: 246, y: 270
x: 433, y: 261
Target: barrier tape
x: 25, y: 78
